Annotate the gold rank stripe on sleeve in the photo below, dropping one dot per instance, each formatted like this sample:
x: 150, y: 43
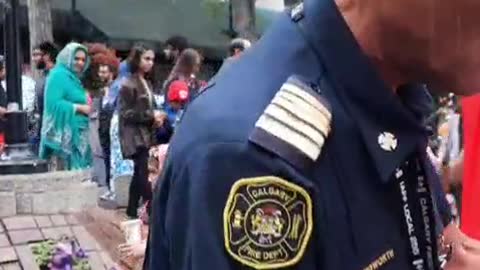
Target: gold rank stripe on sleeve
x: 297, y: 118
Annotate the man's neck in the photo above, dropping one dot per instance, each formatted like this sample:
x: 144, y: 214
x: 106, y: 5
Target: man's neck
x: 365, y: 28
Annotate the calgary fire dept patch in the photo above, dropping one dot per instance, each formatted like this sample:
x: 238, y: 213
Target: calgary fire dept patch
x: 267, y: 222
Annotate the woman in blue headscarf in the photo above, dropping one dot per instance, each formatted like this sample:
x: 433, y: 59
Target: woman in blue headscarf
x: 64, y: 137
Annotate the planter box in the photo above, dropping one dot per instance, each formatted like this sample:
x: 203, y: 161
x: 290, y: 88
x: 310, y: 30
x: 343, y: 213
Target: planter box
x: 47, y: 193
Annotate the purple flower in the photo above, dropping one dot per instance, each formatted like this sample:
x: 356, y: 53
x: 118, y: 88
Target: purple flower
x: 63, y: 248
x: 62, y: 260
x: 57, y: 260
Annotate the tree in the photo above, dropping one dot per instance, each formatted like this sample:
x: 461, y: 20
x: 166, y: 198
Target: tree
x: 39, y: 22
x: 289, y: 3
x: 244, y: 18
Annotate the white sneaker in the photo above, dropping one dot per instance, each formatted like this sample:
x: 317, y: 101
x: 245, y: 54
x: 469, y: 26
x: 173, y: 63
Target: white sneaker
x: 106, y: 196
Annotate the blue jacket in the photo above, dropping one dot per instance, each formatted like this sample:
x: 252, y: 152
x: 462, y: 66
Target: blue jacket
x: 259, y: 175
x: 123, y: 74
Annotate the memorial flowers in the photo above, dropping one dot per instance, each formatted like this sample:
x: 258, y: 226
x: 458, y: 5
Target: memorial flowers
x: 64, y: 254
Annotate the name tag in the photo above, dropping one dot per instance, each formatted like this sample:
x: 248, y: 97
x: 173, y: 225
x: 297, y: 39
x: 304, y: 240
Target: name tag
x: 381, y: 261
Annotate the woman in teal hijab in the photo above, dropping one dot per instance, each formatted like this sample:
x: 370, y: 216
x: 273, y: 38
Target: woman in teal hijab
x: 64, y: 139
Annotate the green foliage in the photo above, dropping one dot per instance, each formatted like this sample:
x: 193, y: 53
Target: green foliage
x: 43, y: 252
x: 82, y: 265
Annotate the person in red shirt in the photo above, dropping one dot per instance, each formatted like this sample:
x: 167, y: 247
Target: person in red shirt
x: 178, y: 94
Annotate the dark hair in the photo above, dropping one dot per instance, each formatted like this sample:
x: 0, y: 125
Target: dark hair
x: 136, y: 56
x: 49, y: 48
x: 238, y: 44
x: 185, y: 63
x: 178, y: 43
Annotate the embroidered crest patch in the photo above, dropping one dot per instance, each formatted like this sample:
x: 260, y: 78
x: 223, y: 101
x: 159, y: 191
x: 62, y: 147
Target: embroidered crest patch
x: 267, y: 222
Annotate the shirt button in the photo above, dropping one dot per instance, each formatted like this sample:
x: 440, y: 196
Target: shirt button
x: 387, y: 141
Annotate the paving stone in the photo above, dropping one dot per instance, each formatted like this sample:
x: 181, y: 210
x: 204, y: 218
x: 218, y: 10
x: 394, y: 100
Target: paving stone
x: 25, y: 236
x: 7, y: 254
x: 26, y: 258
x: 8, y: 204
x: 95, y: 261
x: 107, y: 260
x: 86, y: 241
x: 72, y: 220
x: 4, y: 240
x: 19, y: 223
x: 43, y: 221
x: 58, y: 220
x: 11, y: 266
x: 57, y: 232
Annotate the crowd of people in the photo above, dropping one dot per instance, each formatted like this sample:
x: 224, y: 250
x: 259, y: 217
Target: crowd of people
x: 90, y: 109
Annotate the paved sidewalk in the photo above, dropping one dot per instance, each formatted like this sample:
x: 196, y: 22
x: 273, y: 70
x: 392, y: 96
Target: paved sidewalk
x: 16, y: 233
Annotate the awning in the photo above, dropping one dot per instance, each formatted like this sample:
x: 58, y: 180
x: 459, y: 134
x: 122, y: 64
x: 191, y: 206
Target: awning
x: 127, y: 21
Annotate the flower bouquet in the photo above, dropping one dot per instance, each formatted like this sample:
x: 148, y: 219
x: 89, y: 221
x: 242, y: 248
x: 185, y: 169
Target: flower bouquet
x: 64, y: 254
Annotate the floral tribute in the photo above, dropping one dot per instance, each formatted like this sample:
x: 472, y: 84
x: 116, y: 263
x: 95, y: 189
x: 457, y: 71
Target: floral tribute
x: 64, y: 254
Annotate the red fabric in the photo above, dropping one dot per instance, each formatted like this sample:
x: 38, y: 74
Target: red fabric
x: 178, y: 92
x: 471, y: 176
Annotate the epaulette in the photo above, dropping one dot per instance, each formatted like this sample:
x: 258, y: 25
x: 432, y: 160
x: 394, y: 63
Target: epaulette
x: 295, y: 124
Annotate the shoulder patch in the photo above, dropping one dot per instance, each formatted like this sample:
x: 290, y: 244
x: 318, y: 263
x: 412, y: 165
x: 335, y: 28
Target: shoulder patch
x: 295, y: 123
x: 267, y: 222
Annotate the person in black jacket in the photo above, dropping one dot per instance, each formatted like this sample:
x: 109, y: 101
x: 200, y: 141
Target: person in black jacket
x: 43, y: 57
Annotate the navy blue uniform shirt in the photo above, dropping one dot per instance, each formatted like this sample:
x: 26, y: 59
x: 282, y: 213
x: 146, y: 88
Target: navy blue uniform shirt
x: 237, y: 193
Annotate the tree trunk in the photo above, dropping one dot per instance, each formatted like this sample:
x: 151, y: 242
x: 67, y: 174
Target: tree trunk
x: 244, y: 18
x: 40, y: 23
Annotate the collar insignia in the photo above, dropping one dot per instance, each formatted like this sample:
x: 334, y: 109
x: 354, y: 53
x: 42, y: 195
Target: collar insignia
x: 295, y: 124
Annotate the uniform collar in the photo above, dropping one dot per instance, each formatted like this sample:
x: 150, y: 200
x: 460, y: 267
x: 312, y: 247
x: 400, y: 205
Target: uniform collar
x: 373, y: 106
